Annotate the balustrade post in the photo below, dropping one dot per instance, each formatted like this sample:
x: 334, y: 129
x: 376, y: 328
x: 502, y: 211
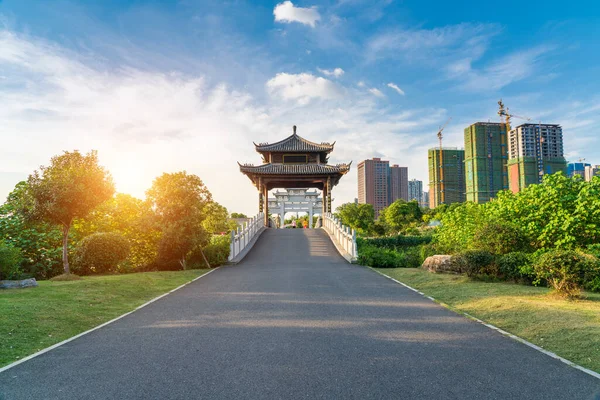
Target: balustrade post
x: 354, y: 249
x: 231, y: 245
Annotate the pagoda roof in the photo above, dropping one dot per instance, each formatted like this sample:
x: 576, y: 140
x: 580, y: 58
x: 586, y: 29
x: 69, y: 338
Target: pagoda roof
x: 294, y: 144
x: 295, y: 169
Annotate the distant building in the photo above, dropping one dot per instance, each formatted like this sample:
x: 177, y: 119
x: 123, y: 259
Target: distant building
x: 534, y: 150
x: 577, y: 169
x: 446, y: 176
x: 415, y: 190
x: 425, y: 200
x: 399, y: 183
x: 380, y: 185
x: 591, y: 171
x: 373, y: 183
x: 485, y: 161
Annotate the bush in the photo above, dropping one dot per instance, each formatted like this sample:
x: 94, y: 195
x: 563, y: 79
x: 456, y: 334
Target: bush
x: 10, y: 262
x: 393, y: 242
x: 499, y: 238
x: 381, y: 258
x: 100, y: 253
x: 217, y: 253
x: 567, y: 271
x: 476, y: 263
x: 427, y: 250
x: 516, y: 266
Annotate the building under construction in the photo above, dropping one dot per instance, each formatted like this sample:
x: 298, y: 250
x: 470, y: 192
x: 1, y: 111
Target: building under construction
x: 534, y: 151
x: 446, y: 176
x: 486, y: 155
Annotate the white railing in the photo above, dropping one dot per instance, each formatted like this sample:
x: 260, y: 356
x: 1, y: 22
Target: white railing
x: 244, y: 235
x: 344, y: 237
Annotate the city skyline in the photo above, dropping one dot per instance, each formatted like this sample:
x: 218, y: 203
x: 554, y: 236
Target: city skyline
x: 161, y: 87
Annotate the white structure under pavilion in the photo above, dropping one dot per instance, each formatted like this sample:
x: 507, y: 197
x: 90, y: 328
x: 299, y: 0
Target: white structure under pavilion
x: 296, y: 201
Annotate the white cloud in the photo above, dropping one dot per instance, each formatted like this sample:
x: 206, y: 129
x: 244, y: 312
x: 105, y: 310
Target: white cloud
x: 337, y: 72
x: 360, y: 84
x: 287, y: 12
x: 396, y: 88
x: 430, y: 45
x: 376, y: 92
x: 302, y: 87
x: 512, y: 68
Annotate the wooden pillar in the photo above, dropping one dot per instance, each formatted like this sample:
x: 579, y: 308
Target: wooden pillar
x: 260, y: 195
x: 329, y: 194
x: 324, y: 195
x: 266, y: 196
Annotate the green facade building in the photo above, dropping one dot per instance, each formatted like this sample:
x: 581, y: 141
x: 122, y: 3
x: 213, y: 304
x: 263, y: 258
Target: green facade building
x: 486, y: 156
x: 446, y: 176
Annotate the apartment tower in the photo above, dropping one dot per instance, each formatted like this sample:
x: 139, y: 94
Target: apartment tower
x: 485, y: 161
x: 398, y: 183
x: 534, y: 150
x: 374, y: 183
x: 446, y: 176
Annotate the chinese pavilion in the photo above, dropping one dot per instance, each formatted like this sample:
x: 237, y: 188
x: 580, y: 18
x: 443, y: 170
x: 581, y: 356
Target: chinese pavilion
x: 291, y: 163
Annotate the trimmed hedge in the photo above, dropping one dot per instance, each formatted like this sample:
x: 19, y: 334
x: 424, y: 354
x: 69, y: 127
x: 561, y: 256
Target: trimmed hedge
x: 100, y: 253
x: 393, y: 242
x: 386, y: 258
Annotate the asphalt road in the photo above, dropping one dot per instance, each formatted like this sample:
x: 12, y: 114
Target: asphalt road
x: 295, y: 321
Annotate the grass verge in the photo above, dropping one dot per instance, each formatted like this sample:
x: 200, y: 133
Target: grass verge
x: 570, y: 329
x: 33, y: 319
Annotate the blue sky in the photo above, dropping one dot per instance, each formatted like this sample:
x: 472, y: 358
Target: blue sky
x: 161, y: 86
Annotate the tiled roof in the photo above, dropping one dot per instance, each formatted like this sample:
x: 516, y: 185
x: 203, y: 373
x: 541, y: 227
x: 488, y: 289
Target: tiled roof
x: 295, y: 169
x: 294, y: 144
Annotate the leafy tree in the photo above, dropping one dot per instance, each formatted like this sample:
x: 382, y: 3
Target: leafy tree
x: 217, y: 219
x: 10, y: 261
x: 360, y: 217
x: 72, y: 186
x: 401, y: 215
x: 40, y: 243
x: 181, y: 201
x: 238, y: 215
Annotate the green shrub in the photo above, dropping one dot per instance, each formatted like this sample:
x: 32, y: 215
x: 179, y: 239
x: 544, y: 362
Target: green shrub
x: 593, y: 285
x: 567, y: 271
x: 216, y: 252
x: 427, y: 250
x: 476, y: 263
x: 393, y: 242
x: 10, y: 262
x: 381, y: 258
x: 516, y: 266
x: 100, y: 253
x: 499, y: 238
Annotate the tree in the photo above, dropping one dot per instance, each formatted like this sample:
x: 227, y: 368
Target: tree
x: 360, y: 217
x: 72, y: 186
x: 238, y: 215
x: 181, y: 202
x: 217, y: 219
x: 401, y: 214
x: 40, y: 243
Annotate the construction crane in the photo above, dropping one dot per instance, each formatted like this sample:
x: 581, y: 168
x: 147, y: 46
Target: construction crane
x: 441, y: 174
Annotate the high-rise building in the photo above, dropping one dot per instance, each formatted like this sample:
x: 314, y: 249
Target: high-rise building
x: 446, y: 176
x: 398, y: 183
x: 374, y: 183
x: 415, y: 190
x: 577, y: 168
x: 425, y: 200
x: 534, y: 150
x: 485, y: 161
x: 591, y: 171
x: 380, y: 185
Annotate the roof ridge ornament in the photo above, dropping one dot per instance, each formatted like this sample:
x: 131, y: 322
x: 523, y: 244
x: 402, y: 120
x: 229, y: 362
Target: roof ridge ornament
x: 294, y: 129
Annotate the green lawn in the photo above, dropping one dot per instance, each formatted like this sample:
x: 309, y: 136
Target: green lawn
x: 33, y: 319
x: 570, y: 329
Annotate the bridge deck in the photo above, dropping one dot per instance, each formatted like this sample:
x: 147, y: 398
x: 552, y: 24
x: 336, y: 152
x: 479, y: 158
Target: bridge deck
x: 292, y: 321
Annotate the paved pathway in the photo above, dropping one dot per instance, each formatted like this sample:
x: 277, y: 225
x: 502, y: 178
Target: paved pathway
x: 294, y: 321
